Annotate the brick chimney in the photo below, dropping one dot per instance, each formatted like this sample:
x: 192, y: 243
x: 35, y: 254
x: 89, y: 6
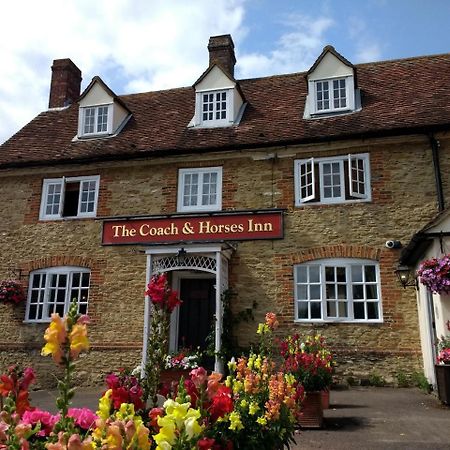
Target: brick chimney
x: 65, y: 84
x: 221, y: 52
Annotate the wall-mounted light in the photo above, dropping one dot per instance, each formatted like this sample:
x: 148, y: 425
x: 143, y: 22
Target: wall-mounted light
x: 406, y: 276
x: 181, y: 256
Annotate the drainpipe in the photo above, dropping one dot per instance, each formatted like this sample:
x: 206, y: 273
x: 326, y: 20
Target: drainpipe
x: 437, y: 170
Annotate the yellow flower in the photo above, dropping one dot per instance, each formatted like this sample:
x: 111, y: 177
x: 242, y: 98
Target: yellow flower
x: 235, y: 421
x: 55, y: 336
x: 192, y: 427
x: 238, y: 386
x: 244, y: 403
x: 78, y: 340
x: 253, y: 408
x: 104, y: 405
x: 258, y: 362
x: 261, y: 420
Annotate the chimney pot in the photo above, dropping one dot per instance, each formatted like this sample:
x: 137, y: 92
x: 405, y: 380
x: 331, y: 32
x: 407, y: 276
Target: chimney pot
x: 65, y: 84
x: 221, y: 52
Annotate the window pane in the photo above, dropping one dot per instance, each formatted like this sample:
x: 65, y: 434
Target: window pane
x: 358, y: 292
x: 371, y: 291
x: 358, y: 310
x: 329, y: 274
x: 314, y: 274
x: 343, y: 309
x: 342, y: 291
x: 302, y: 292
x: 357, y: 273
x: 302, y: 310
x: 330, y: 291
x: 331, y: 309
x: 314, y: 292
x: 316, y: 312
x: 372, y: 310
x: 302, y: 274
x: 340, y: 271
x: 370, y: 274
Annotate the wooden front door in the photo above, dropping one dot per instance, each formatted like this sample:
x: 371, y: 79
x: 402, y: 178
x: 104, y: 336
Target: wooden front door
x: 197, y: 311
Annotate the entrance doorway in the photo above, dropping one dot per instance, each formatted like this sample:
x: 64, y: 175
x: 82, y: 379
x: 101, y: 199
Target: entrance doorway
x: 193, y: 321
x: 195, y: 318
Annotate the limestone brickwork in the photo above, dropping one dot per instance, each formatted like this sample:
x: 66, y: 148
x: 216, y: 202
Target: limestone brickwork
x: 403, y: 200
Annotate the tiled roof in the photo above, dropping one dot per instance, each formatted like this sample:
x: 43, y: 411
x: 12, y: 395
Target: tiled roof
x: 400, y: 96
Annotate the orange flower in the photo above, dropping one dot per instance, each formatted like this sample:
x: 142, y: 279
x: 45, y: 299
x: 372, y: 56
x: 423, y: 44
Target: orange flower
x: 213, y: 384
x: 271, y: 320
x: 78, y: 339
x: 55, y: 336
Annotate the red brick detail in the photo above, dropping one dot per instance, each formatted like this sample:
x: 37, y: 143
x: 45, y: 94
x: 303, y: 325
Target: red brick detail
x: 336, y: 251
x: 65, y: 84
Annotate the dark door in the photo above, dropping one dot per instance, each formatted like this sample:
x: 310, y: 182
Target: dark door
x: 196, y: 312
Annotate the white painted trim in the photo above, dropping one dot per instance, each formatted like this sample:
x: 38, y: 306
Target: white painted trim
x: 318, y: 161
x: 48, y: 271
x: 81, y: 120
x: 218, y: 364
x: 63, y: 180
x: 200, y: 171
x: 147, y: 316
x: 347, y: 263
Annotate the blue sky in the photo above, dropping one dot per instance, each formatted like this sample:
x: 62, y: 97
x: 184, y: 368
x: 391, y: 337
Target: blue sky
x: 140, y: 45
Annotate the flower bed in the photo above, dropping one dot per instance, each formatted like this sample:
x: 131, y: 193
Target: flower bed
x: 256, y: 406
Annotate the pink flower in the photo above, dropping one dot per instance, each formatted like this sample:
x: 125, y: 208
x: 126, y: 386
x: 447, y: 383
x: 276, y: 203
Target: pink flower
x: 198, y: 376
x: 84, y: 417
x: 46, y: 420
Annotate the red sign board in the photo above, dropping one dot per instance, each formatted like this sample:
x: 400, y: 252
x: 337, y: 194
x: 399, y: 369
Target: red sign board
x: 220, y: 227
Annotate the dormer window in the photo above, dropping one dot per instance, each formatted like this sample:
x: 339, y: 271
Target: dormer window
x: 331, y: 95
x: 95, y: 120
x: 214, y: 106
x: 331, y: 86
x: 101, y: 112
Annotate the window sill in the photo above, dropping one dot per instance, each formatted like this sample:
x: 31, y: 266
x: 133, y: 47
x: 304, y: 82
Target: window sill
x: 344, y: 202
x: 68, y: 219
x: 338, y: 322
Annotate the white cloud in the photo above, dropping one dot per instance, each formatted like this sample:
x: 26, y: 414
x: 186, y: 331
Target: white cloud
x: 145, y: 45
x: 295, y: 50
x: 134, y: 46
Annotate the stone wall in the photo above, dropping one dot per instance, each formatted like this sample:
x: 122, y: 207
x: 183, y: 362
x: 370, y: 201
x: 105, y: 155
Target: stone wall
x: 403, y: 200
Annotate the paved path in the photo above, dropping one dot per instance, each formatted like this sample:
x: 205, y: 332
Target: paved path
x: 358, y: 419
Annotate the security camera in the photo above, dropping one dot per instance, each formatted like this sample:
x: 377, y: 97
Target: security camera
x: 393, y: 244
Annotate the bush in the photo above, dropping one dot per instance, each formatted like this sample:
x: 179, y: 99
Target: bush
x: 376, y: 380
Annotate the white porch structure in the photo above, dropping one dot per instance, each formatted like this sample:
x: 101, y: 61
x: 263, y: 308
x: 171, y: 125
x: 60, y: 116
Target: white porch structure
x: 212, y: 259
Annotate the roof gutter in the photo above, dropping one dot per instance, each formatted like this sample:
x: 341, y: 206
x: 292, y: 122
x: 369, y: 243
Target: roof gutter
x: 435, y: 145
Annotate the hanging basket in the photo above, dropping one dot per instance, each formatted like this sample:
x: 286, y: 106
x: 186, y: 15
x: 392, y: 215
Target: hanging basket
x: 434, y: 273
x: 311, y: 415
x: 11, y: 291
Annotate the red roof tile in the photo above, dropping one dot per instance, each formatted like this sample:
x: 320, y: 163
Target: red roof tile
x: 401, y: 96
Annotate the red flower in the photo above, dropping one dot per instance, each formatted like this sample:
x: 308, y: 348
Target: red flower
x: 154, y: 414
x: 205, y: 443
x: 222, y: 403
x: 161, y: 294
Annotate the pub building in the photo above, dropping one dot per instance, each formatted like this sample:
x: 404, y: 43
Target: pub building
x: 286, y: 190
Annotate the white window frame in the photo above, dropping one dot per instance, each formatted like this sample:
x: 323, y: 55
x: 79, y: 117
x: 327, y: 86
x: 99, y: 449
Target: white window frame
x: 344, y: 160
x: 82, y: 117
x: 45, y: 289
x: 62, y: 182
x: 346, y: 263
x: 201, y: 173
x: 215, y: 122
x: 349, y: 95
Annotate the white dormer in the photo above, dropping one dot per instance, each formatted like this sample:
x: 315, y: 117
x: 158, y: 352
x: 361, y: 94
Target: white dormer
x: 331, y: 86
x: 101, y: 112
x: 219, y: 101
